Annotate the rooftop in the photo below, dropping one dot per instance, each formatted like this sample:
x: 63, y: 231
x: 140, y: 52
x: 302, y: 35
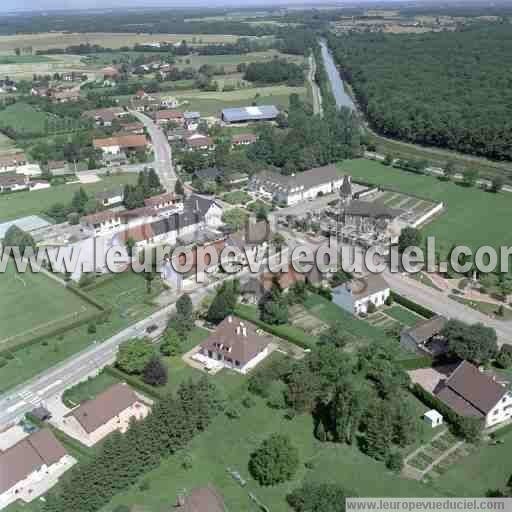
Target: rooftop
x: 426, y: 329
x: 259, y: 113
x: 362, y: 287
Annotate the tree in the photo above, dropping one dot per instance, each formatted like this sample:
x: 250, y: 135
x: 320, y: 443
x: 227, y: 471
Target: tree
x: 234, y: 219
x: 379, y: 431
x: 409, y: 237
x: 155, y: 372
x: 171, y: 344
x: 274, y: 311
x: 278, y: 241
x: 405, y: 425
x: 476, y: 343
x: 395, y: 461
x: 179, y: 190
x: 223, y: 304
x: 317, y: 497
x: 497, y: 183
x: 184, y: 306
x: 130, y: 244
x: 470, y: 176
x: 134, y: 355
x: 275, y: 461
x: 388, y: 159
x: 469, y: 428
x: 449, y: 169
x: 504, y: 359
x: 372, y: 308
x: 16, y: 237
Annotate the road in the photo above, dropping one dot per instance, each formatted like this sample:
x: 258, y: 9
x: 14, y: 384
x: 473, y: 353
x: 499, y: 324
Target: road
x: 25, y: 397
x: 163, y: 155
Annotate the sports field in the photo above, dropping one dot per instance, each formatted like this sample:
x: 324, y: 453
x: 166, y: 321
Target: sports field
x: 472, y: 216
x: 20, y: 204
x: 32, y: 303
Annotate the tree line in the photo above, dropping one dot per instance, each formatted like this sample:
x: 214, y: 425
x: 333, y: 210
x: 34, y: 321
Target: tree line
x: 174, y: 421
x: 450, y: 89
x: 275, y: 71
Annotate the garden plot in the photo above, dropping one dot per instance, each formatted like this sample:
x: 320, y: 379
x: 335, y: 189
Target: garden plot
x: 309, y: 323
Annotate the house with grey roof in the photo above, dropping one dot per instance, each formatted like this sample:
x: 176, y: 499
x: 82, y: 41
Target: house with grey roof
x: 249, y: 114
x: 471, y: 393
x: 425, y: 337
x: 298, y: 187
x: 356, y: 295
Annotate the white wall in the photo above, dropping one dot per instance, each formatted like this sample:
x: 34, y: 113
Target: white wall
x: 500, y: 412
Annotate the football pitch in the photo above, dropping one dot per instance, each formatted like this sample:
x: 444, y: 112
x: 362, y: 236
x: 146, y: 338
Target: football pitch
x: 32, y: 304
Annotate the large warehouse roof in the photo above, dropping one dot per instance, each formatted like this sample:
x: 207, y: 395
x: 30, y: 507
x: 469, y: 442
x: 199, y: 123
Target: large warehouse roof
x: 259, y: 113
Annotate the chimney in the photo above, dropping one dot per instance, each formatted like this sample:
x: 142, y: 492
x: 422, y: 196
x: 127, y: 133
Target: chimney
x: 238, y: 330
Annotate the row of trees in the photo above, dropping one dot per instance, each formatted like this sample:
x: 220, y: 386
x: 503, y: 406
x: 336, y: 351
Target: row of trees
x: 173, y: 423
x: 148, y: 184
x: 275, y: 71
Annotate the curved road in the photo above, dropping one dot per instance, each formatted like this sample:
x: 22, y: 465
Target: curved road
x: 163, y: 155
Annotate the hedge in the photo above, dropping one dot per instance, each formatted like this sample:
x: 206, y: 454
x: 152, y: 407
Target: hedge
x: 434, y: 403
x: 134, y: 382
x: 281, y: 331
x: 413, y: 306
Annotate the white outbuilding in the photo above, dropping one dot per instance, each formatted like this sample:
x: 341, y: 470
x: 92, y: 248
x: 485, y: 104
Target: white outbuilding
x: 434, y: 418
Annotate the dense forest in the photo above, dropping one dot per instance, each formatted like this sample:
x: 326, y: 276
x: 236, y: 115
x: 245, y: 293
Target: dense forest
x: 451, y: 89
x: 275, y: 71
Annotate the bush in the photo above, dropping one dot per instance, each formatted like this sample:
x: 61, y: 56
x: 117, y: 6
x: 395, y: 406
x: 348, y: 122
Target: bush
x: 3, y: 362
x: 395, y: 461
x: 91, y: 328
x: 409, y: 304
x: 248, y: 402
x: 144, y: 486
x: 371, y: 308
x: 504, y: 359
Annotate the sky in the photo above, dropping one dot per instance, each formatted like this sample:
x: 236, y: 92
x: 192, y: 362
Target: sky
x: 29, y: 5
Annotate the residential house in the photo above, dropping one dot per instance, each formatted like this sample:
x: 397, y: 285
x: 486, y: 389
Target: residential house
x: 162, y: 201
x: 202, y: 499
x: 110, y: 73
x: 299, y: 187
x: 12, y: 162
x: 13, y: 182
x: 110, y: 197
x: 111, y: 410
x: 58, y: 167
x: 164, y: 117
x: 105, y: 116
x: 197, y: 141
x: 425, y: 337
x: 192, y: 120
x: 236, y: 344
x: 135, y: 127
x: 471, y: 393
x: 7, y: 85
x: 102, y: 222
x: 285, y: 279
x: 64, y: 96
x: 114, y: 145
x: 41, y: 92
x: 249, y: 114
x: 177, y: 134
x: 37, y: 458
x: 35, y: 185
x: 355, y: 296
x: 145, y: 104
x: 208, y: 209
x: 243, y: 139
x: 169, y: 102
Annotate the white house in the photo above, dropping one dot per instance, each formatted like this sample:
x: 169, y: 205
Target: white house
x: 31, y: 466
x: 102, y: 222
x: 12, y: 162
x: 236, y: 344
x: 169, y: 102
x: 433, y: 418
x: 13, y: 182
x: 299, y: 187
x: 355, y: 296
x: 471, y: 393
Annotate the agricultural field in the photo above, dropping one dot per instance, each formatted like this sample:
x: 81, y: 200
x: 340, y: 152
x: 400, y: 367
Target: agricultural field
x: 24, y: 203
x: 50, y: 305
x: 211, y: 103
x: 23, y: 118
x: 473, y: 217
x: 24, y: 67
x: 23, y: 59
x: 44, y: 41
x: 7, y: 145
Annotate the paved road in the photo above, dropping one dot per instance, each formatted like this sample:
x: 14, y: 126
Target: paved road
x: 163, y: 156
x: 440, y: 303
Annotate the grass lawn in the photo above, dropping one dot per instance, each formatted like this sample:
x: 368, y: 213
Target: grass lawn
x: 49, y: 305
x: 23, y: 59
x: 484, y: 307
x: 472, y: 217
x: 403, y: 315
x: 23, y: 118
x: 236, y: 197
x: 20, y: 204
x: 88, y: 389
x: 211, y: 103
x: 229, y: 443
x: 125, y: 292
x: 6, y: 144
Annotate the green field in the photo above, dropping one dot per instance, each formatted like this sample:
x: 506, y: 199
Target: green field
x: 125, y: 292
x: 88, y: 389
x: 404, y: 316
x: 6, y: 144
x: 473, y: 217
x: 49, y: 306
x: 23, y: 118
x: 23, y: 59
x: 20, y: 204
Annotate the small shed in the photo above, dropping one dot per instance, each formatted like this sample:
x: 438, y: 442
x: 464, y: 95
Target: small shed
x: 434, y: 418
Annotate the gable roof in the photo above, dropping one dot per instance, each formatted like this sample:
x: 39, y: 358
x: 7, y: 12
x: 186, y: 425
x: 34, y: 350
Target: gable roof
x: 374, y: 209
x: 258, y: 113
x: 426, y: 329
x: 362, y: 287
x: 168, y: 197
x: 236, y: 339
x: 195, y: 202
x: 99, y: 217
x: 27, y: 456
x: 285, y: 279
x: 92, y: 414
x: 470, y: 392
x: 123, y: 141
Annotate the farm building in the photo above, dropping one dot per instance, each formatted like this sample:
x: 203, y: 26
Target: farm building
x: 248, y: 114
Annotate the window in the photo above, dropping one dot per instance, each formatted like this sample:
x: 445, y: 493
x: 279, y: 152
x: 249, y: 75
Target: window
x: 237, y: 363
